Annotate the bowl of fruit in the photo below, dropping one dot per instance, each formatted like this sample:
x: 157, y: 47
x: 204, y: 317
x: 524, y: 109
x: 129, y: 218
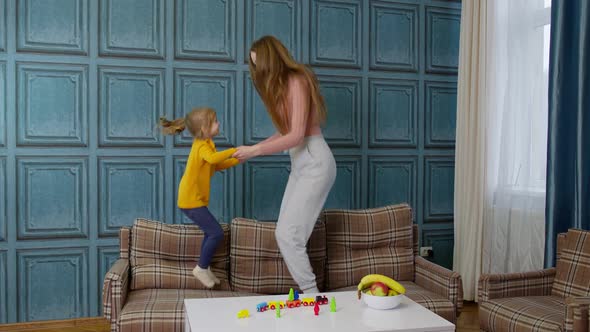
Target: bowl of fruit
x: 380, y: 292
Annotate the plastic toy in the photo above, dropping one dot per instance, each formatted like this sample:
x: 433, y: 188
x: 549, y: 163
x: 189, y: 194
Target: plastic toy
x: 262, y: 307
x: 316, y: 309
x: 243, y: 313
x: 321, y: 299
x: 276, y: 304
x: 307, y: 301
x: 293, y: 303
x: 278, y: 310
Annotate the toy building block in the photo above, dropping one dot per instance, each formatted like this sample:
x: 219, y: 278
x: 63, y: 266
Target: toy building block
x: 276, y: 304
x: 307, y: 301
x: 243, y: 313
x: 262, y: 307
x: 294, y: 303
x: 333, y: 304
x: 321, y: 299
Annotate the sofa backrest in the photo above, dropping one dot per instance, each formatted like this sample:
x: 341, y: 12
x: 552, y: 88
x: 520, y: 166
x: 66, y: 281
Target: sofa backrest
x: 572, y: 277
x: 361, y: 242
x: 256, y: 264
x: 163, y: 256
x: 561, y: 238
x: 416, y: 237
x: 124, y: 239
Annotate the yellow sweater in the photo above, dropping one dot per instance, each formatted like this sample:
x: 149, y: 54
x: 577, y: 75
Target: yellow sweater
x: 203, y: 161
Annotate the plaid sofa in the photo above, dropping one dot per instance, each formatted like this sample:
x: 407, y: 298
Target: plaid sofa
x: 554, y: 299
x: 144, y: 290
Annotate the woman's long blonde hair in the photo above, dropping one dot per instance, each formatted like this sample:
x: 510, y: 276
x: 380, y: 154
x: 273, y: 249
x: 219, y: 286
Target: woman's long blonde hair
x: 198, y: 122
x: 270, y: 76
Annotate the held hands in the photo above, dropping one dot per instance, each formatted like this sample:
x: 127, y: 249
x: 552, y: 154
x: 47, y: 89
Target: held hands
x: 246, y: 152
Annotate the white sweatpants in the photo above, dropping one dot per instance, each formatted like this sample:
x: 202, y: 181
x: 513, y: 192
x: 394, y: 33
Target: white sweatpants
x: 313, y: 172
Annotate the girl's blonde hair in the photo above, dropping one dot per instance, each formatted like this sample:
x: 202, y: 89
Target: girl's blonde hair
x: 270, y: 76
x: 198, y: 122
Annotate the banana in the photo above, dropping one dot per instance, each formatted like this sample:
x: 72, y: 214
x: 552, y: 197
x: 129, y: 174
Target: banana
x: 392, y: 293
x: 369, y: 279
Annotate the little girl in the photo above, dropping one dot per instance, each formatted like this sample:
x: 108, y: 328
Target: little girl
x: 193, y: 191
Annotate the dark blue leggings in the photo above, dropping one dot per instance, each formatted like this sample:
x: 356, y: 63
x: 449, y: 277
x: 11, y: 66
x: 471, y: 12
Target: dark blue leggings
x: 213, y: 232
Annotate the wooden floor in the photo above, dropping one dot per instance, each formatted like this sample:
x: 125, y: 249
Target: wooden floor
x: 97, y: 324
x: 467, y: 322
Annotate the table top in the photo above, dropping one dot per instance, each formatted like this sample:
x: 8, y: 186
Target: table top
x: 352, y: 314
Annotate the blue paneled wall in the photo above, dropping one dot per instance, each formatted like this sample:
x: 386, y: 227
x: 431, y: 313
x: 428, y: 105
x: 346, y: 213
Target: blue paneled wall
x: 83, y: 83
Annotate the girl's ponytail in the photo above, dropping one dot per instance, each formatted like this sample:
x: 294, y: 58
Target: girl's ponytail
x: 195, y: 121
x: 173, y: 127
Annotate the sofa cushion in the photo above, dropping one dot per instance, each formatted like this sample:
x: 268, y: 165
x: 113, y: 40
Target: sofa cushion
x: 163, y: 256
x: 529, y: 313
x: 162, y: 309
x: 361, y: 242
x: 429, y: 300
x: 256, y: 262
x: 572, y: 277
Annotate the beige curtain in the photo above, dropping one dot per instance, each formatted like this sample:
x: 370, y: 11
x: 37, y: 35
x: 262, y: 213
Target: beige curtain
x: 470, y: 155
x: 501, y: 139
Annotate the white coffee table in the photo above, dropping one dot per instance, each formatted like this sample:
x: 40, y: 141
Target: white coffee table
x: 220, y: 314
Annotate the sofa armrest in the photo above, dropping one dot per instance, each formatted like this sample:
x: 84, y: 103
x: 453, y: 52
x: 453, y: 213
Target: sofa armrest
x: 114, y: 291
x: 577, y: 314
x: 439, y: 280
x: 534, y: 283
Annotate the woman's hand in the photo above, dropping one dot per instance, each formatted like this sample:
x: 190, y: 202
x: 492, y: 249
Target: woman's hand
x: 246, y: 152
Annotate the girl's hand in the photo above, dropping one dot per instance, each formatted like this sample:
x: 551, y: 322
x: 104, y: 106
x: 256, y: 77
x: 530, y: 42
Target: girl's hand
x: 245, y: 152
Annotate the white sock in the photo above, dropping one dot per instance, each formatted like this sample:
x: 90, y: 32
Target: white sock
x: 203, y: 277
x: 213, y: 276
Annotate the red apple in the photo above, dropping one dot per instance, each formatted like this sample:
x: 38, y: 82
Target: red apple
x: 379, y: 289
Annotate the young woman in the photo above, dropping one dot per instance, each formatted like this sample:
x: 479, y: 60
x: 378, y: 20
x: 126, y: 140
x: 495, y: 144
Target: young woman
x: 292, y: 98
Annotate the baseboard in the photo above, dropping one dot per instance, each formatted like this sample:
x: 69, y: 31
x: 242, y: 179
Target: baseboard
x: 52, y: 324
